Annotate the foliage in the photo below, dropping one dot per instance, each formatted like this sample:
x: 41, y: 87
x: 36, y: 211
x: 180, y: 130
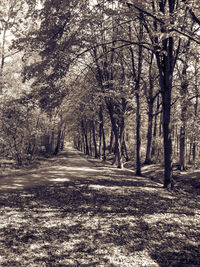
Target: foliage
x: 79, y: 58
x: 20, y: 129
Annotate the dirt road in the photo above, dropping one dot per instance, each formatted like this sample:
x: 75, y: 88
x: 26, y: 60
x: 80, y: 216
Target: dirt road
x: 70, y: 211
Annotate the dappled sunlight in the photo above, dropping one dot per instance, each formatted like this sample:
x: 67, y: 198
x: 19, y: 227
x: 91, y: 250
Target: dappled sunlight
x: 84, y: 169
x: 120, y: 258
x: 64, y: 179
x: 74, y: 215
x: 123, y: 189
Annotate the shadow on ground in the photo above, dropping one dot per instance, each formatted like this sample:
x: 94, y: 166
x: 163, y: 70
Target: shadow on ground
x: 82, y: 213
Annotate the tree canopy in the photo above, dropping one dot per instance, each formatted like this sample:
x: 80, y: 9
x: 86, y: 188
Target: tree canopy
x: 118, y: 78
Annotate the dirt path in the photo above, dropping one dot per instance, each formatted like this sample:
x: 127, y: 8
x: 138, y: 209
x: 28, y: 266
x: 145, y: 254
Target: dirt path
x: 62, y: 168
x: 70, y: 211
x: 70, y: 165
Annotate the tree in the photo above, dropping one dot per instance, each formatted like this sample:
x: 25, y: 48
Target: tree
x: 162, y: 24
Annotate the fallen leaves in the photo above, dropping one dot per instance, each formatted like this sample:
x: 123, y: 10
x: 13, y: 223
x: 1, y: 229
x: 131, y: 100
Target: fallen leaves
x: 99, y: 221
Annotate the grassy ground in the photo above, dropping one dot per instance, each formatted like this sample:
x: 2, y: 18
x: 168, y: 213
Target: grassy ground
x: 75, y: 212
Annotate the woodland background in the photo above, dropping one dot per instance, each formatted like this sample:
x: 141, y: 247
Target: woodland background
x: 118, y: 78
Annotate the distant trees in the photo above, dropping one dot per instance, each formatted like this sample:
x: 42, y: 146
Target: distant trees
x: 19, y: 130
x: 116, y: 75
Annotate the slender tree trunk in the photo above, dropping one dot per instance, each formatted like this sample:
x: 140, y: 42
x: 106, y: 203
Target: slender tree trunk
x: 149, y: 134
x: 104, y: 144
x: 118, y: 156
x: 100, y: 140
x: 111, y: 141
x: 155, y: 128
x: 194, y: 150
x: 138, y: 138
x: 90, y: 139
x: 137, y: 78
x: 62, y: 140
x: 94, y: 140
x: 86, y: 144
x: 182, y: 149
x: 150, y: 102
x: 183, y: 93
x: 85, y: 138
x: 58, y: 143
x: 101, y: 135
x: 83, y: 144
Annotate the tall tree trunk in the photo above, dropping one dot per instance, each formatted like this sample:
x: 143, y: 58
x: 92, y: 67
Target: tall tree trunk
x: 104, y: 144
x: 62, y: 139
x: 166, y: 66
x: 149, y: 134
x: 100, y: 140
x: 83, y: 144
x: 85, y: 138
x: 194, y: 149
x: 150, y: 102
x: 90, y: 139
x: 195, y: 112
x: 138, y: 138
x: 111, y: 141
x: 118, y: 155
x: 94, y: 140
x: 153, y: 150
x: 137, y: 77
x: 58, y: 142
x: 183, y: 93
x: 167, y: 136
x: 87, y: 152
x: 102, y: 150
x: 182, y: 148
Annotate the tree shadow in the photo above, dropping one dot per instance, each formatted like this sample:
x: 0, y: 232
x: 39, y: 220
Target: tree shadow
x: 97, y: 217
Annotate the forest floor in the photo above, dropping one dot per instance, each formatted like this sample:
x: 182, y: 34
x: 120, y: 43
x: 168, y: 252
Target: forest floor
x: 71, y: 210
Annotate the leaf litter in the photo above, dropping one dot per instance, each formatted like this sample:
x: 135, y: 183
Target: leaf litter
x: 103, y: 218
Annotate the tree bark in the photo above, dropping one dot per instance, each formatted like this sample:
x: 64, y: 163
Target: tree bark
x: 94, y: 140
x: 85, y: 138
x: 111, y: 141
x: 137, y: 78
x: 58, y: 143
x: 118, y: 154
x: 104, y: 144
x: 149, y: 133
x: 153, y: 150
x: 166, y: 67
x: 138, y: 138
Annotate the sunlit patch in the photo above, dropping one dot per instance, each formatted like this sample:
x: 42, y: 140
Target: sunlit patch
x: 153, y: 167
x: 167, y: 196
x: 69, y: 245
x: 12, y: 218
x: 35, y: 246
x: 99, y: 187
x: 17, y: 185
x: 123, y: 189
x: 171, y: 218
x: 120, y: 257
x: 64, y: 179
x: 81, y: 169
